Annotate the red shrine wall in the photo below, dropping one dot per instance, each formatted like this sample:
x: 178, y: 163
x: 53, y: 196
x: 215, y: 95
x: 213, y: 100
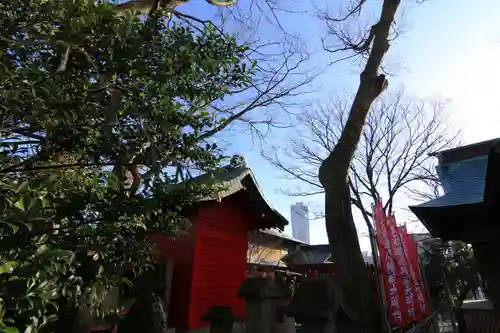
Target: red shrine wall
x: 209, y: 266
x: 220, y: 259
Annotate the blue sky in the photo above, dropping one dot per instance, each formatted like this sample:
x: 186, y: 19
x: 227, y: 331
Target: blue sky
x: 449, y: 49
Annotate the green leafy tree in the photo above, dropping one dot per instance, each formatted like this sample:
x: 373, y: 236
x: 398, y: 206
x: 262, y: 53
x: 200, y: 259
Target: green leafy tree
x: 451, y: 275
x: 451, y: 265
x: 103, y: 118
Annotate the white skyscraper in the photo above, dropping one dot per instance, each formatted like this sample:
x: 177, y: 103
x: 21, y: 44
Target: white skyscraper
x: 300, y: 222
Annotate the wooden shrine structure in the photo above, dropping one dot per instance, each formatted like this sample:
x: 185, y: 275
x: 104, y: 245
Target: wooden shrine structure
x: 210, y: 261
x: 469, y: 209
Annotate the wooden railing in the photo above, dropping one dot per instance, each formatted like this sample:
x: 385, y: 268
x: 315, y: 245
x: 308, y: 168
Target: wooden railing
x: 482, y: 321
x: 480, y: 317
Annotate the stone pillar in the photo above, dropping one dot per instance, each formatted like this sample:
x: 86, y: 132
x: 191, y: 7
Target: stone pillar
x: 261, y: 294
x: 283, y: 323
x: 221, y: 319
x: 314, y: 305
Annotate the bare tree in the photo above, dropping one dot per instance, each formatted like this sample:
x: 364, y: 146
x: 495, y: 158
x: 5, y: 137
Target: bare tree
x: 357, y: 300
x: 392, y: 156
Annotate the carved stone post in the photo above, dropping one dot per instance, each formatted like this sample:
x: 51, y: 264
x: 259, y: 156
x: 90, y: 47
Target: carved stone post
x: 283, y: 323
x: 221, y: 319
x: 260, y: 294
x: 314, y: 305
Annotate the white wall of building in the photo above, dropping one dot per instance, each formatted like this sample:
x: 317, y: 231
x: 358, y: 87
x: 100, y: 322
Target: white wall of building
x: 300, y: 222
x: 367, y: 257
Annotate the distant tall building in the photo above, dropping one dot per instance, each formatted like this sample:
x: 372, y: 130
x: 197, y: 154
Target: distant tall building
x: 300, y: 222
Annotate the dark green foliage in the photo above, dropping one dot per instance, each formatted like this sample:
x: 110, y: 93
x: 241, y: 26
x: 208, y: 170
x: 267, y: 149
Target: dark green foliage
x: 83, y: 90
x: 451, y: 274
x: 146, y: 315
x: 450, y: 271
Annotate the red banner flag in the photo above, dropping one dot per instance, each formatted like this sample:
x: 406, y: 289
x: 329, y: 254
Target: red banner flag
x: 422, y: 302
x: 403, y: 287
x: 405, y: 292
x: 393, y: 284
x: 414, y: 312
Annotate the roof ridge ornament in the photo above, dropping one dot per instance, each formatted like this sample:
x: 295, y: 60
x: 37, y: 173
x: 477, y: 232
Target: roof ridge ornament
x: 237, y: 161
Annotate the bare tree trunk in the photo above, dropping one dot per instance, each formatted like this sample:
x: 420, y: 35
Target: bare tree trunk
x: 356, y: 293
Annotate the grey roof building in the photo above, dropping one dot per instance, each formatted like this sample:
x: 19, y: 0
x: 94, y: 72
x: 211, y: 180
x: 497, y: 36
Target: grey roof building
x: 469, y: 209
x: 463, y: 173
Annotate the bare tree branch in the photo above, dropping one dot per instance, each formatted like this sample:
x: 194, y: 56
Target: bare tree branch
x: 355, y: 9
x: 392, y: 157
x: 356, y: 297
x: 282, y: 74
x: 271, y: 91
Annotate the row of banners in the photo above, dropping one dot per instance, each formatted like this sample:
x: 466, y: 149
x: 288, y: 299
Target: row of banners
x: 405, y: 297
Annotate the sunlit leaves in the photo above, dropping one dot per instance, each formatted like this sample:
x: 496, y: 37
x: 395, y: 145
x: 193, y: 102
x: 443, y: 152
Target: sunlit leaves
x: 7, y: 267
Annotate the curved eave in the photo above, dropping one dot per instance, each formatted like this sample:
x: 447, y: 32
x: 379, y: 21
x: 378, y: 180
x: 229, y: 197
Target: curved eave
x: 470, y: 214
x: 449, y: 222
x: 243, y: 179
